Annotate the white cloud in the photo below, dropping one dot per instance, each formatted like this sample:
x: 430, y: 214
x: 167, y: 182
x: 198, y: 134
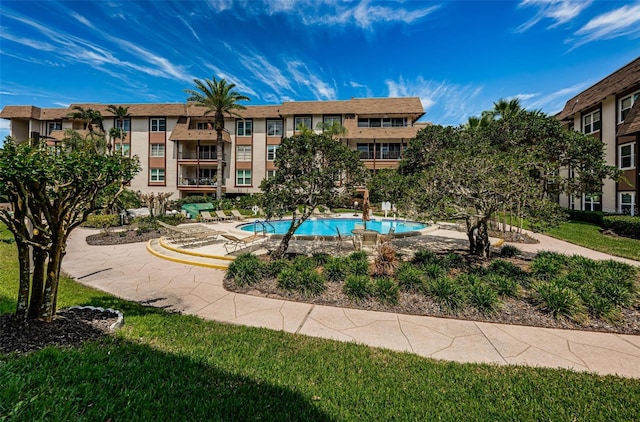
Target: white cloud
x: 624, y: 21
x: 35, y: 44
x: 265, y: 72
x: 240, y: 87
x: 82, y: 20
x: 303, y: 76
x: 558, y: 11
x: 190, y: 28
x: 555, y: 101
x: 444, y: 103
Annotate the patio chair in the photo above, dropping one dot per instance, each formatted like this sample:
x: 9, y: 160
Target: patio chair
x: 222, y: 216
x: 368, y: 239
x: 233, y: 243
x: 189, y: 236
x: 386, y: 238
x: 236, y: 214
x: 340, y: 239
x: 206, y: 217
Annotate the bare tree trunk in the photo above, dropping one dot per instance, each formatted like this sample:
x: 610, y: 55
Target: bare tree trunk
x: 284, y: 243
x: 48, y: 309
x: 23, y: 288
x: 37, y: 297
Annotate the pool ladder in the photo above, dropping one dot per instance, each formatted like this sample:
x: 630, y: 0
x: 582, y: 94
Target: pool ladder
x: 267, y: 227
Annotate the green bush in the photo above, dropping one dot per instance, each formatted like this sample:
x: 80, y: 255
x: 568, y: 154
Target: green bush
x: 273, y: 268
x: 410, y: 278
x: 104, y: 221
x: 503, y: 285
x: 357, y: 287
x: 593, y: 217
x: 483, y: 297
x: 303, y: 263
x: 449, y: 293
x: 357, y: 256
x: 193, y: 199
x: 424, y: 257
x: 509, y: 251
x: 358, y: 267
x: 433, y: 271
x: 320, y: 258
x: 558, y: 300
x: 288, y: 278
x: 311, y: 283
x: 245, y: 270
x: 548, y: 265
x: 452, y: 260
x: 145, y: 224
x: 623, y: 225
x: 335, y: 269
x: 507, y: 269
x: 172, y: 219
x: 386, y: 290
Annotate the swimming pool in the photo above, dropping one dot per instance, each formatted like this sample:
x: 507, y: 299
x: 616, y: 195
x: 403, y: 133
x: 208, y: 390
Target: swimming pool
x: 329, y: 226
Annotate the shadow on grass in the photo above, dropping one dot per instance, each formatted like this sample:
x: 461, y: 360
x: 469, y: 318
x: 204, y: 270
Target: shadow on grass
x: 119, y: 380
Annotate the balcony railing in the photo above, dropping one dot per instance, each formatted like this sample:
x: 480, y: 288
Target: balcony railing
x: 380, y: 155
x: 202, y: 156
x: 194, y: 181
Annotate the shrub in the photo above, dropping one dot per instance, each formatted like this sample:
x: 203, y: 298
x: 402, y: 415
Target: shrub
x: 623, y: 225
x: 447, y: 292
x: 273, y: 268
x: 507, y: 269
x: 424, y: 257
x: 303, y: 263
x: 145, y: 224
x: 558, y: 300
x: 452, y: 260
x: 547, y: 265
x: 173, y: 219
x: 320, y: 258
x: 433, y: 271
x: 503, y: 285
x: 335, y: 269
x: 409, y: 278
x: 310, y: 283
x: 598, y: 306
x: 104, y: 221
x: 357, y: 267
x: 385, y: 261
x: 483, y: 297
x: 357, y: 256
x: 288, y: 278
x: 386, y: 290
x: 245, y: 270
x: 593, y: 217
x: 357, y: 287
x: 509, y: 251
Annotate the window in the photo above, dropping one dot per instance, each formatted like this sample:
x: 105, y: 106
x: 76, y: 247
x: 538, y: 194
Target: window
x: 365, y: 151
x: 591, y: 203
x: 204, y: 126
x: 628, y: 203
x: 627, y: 156
x: 271, y: 174
x: 243, y: 153
x: 245, y: 128
x: 625, y: 105
x: 125, y: 148
x: 207, y: 152
x: 51, y: 126
x: 305, y: 121
x: 389, y: 152
x: 125, y: 122
x: 156, y: 175
x: 157, y: 150
x: 243, y: 177
x: 271, y: 152
x: 382, y: 122
x: 158, y: 125
x: 274, y: 127
x: 591, y: 122
x: 330, y: 120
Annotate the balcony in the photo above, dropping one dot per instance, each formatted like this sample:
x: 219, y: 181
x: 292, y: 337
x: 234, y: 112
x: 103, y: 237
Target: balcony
x: 380, y: 155
x: 196, y: 182
x: 202, y: 156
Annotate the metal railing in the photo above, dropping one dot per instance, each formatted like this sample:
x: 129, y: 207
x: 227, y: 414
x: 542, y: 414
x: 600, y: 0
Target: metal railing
x: 380, y: 155
x: 193, y: 155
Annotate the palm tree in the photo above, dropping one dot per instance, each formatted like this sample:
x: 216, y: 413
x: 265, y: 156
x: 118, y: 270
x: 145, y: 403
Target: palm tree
x: 89, y: 117
x: 219, y: 98
x: 475, y: 122
x: 504, y: 109
x: 120, y: 113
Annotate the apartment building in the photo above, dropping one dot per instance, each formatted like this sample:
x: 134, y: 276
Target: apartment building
x: 610, y: 111
x: 176, y: 143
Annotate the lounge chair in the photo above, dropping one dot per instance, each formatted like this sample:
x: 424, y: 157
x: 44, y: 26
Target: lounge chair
x: 339, y: 239
x: 368, y: 238
x: 233, y: 243
x: 189, y: 236
x: 206, y: 217
x: 236, y: 214
x: 222, y: 216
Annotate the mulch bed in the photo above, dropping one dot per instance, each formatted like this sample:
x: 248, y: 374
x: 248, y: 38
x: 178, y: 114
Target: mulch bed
x: 121, y: 238
x: 69, y: 328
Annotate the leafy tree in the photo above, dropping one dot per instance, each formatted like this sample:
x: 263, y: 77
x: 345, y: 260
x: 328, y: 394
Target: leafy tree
x: 310, y: 168
x: 514, y: 162
x: 219, y: 98
x: 89, y: 117
x: 52, y: 191
x: 389, y: 185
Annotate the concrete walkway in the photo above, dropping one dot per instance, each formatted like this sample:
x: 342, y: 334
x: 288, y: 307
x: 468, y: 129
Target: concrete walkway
x: 131, y: 272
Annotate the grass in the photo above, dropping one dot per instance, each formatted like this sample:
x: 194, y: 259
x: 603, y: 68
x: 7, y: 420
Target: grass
x: 177, y: 367
x: 589, y: 236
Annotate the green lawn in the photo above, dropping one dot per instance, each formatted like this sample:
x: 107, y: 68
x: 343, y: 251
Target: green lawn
x: 589, y: 236
x: 175, y: 367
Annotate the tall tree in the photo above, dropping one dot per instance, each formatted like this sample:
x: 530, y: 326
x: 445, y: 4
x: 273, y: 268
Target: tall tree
x: 219, y: 97
x: 52, y: 191
x: 504, y: 109
x: 310, y: 168
x: 121, y: 113
x: 89, y: 117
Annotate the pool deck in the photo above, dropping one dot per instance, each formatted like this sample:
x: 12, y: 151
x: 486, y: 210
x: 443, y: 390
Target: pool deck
x: 132, y: 273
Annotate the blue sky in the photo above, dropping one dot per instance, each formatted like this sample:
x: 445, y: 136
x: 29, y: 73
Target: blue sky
x: 457, y: 56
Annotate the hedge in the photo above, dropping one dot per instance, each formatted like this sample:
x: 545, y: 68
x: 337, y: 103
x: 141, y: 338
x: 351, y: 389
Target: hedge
x: 623, y: 225
x: 593, y: 217
x: 102, y: 221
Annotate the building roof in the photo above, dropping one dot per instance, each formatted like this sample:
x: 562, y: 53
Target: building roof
x: 355, y: 132
x: 360, y: 106
x: 251, y: 112
x: 631, y: 122
x: 619, y: 81
x: 181, y: 132
x: 20, y: 112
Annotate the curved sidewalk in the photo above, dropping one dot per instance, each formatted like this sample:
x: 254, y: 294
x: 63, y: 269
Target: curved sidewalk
x: 130, y: 272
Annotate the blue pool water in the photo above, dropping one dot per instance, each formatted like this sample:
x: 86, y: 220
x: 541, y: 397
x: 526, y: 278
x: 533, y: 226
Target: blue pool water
x: 328, y: 226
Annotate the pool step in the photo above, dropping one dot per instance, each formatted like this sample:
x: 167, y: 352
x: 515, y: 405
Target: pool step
x: 161, y: 249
